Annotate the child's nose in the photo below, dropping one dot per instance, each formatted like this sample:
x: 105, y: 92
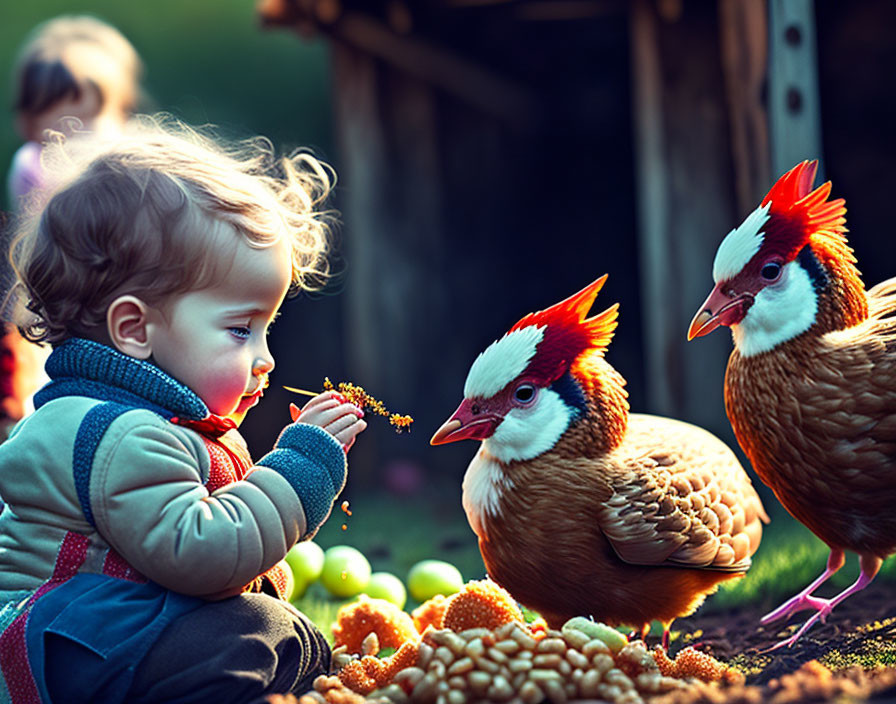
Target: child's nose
x: 263, y: 365
x: 264, y: 360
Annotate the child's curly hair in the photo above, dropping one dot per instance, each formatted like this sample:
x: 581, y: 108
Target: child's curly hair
x: 136, y: 215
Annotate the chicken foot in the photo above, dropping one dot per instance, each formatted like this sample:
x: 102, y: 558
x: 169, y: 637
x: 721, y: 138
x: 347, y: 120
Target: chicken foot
x: 641, y: 634
x: 870, y: 564
x: 805, y: 600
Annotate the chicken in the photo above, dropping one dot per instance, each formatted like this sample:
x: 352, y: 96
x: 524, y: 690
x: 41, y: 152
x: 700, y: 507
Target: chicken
x: 581, y: 509
x: 811, y: 384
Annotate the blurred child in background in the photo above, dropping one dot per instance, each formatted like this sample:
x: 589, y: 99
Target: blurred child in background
x: 72, y: 72
x: 140, y: 546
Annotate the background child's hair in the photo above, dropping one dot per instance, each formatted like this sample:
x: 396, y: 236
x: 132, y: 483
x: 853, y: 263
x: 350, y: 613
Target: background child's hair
x: 140, y: 214
x: 66, y: 55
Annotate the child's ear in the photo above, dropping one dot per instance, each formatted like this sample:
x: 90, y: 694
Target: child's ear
x: 126, y: 322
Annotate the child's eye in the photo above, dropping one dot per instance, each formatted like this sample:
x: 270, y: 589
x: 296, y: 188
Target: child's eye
x: 239, y: 331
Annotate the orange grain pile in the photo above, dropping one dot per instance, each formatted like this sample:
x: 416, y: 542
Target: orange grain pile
x: 474, y: 646
x: 369, y: 673
x: 354, y: 622
x: 690, y: 662
x: 430, y: 613
x: 481, y: 604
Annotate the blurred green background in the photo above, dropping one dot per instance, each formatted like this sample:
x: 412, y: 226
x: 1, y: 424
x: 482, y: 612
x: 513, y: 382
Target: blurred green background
x: 206, y: 62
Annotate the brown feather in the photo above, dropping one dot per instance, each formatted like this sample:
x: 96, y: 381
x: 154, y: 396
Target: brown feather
x: 817, y: 418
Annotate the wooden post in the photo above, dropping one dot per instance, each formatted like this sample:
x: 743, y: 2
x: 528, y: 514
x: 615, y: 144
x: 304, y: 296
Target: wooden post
x: 685, y: 202
x: 794, y: 109
x: 743, y: 28
x: 391, y: 199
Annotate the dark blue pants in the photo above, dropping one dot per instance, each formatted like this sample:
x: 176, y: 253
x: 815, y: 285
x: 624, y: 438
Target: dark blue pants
x: 237, y: 650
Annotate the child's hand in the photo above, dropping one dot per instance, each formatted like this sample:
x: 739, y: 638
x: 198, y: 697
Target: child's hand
x: 334, y: 414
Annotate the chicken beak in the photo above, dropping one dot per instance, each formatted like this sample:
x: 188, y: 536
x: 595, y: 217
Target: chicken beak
x: 465, y: 425
x: 718, y: 309
x: 444, y: 433
x: 702, y: 324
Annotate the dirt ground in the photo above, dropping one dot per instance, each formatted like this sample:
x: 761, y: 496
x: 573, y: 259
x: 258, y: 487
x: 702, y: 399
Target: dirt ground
x: 851, y: 657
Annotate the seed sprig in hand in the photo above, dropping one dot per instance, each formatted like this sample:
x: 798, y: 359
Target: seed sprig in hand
x: 357, y: 395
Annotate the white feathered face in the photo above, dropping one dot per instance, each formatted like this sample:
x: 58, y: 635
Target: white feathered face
x: 773, y: 272
x: 516, y: 416
x: 764, y: 299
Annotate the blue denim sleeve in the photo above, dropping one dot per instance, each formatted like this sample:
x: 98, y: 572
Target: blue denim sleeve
x: 314, y: 464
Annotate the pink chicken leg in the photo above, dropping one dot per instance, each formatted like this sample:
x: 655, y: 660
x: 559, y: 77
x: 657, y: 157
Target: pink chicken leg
x: 870, y: 565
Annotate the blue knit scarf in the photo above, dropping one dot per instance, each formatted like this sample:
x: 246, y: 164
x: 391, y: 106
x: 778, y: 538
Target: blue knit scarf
x: 80, y: 367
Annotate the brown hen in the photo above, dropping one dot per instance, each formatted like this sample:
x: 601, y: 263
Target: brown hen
x: 580, y: 508
x: 811, y: 384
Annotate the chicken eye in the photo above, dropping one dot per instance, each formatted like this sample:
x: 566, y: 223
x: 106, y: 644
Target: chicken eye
x: 771, y: 271
x: 524, y: 394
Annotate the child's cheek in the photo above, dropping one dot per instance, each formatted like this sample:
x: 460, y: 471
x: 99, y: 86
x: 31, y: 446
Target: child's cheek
x: 222, y: 389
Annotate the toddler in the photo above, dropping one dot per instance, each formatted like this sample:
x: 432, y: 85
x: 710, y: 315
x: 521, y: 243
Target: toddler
x: 73, y: 66
x: 139, y: 545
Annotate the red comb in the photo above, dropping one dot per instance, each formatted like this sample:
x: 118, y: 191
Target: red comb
x: 568, y: 332
x: 571, y: 310
x: 798, y: 213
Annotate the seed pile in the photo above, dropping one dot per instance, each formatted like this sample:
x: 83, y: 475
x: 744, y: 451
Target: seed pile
x: 507, y: 661
x: 478, y: 665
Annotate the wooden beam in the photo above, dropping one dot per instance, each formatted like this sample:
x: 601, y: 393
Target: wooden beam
x: 794, y: 109
x: 652, y: 187
x: 495, y: 95
x: 565, y: 10
x: 476, y: 3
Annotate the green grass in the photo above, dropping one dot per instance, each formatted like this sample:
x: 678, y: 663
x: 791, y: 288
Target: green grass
x: 394, y: 532
x: 320, y: 608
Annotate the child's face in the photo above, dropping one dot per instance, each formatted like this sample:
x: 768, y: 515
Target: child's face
x: 214, y: 340
x: 86, y: 110
x: 104, y: 100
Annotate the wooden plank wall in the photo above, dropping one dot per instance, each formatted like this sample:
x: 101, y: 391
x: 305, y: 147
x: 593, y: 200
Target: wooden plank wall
x: 724, y: 98
x: 686, y: 201
x: 743, y: 30
x: 394, y: 299
x: 418, y: 265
